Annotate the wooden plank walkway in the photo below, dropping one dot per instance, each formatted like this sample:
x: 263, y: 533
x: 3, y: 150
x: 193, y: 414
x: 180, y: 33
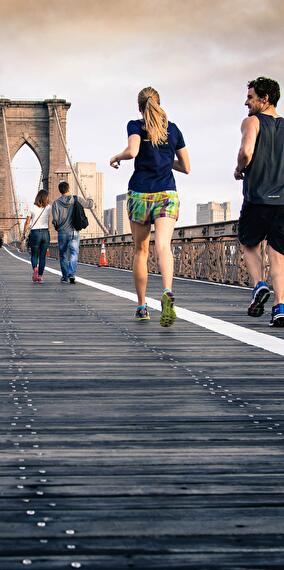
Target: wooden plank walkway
x: 125, y: 445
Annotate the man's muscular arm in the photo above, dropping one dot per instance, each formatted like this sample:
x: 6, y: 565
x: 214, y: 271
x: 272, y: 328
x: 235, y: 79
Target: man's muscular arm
x: 250, y: 130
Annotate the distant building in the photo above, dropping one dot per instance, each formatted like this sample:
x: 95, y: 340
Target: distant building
x: 213, y: 212
x: 23, y: 210
x: 110, y: 220
x: 92, y: 183
x: 122, y: 221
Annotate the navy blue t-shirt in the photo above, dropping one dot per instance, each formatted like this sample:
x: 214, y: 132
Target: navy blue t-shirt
x: 153, y: 164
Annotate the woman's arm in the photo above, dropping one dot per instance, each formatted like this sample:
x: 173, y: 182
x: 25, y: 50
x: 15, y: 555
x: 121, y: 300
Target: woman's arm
x: 50, y: 226
x: 27, y: 223
x: 129, y: 152
x: 182, y: 164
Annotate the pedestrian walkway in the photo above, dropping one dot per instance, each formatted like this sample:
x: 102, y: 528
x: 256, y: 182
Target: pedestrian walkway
x: 126, y: 445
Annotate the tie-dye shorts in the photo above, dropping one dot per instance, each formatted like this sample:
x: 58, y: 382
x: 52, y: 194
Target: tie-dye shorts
x: 144, y: 208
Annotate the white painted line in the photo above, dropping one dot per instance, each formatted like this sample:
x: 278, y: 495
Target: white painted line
x: 236, y: 332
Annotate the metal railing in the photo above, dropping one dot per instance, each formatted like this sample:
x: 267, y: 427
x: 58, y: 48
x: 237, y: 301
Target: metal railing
x: 211, y: 252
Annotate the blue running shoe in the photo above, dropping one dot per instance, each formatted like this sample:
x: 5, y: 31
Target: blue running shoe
x: 142, y: 314
x: 277, y: 316
x: 260, y: 295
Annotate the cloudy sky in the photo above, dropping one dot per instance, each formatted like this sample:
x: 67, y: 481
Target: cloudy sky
x: 97, y: 54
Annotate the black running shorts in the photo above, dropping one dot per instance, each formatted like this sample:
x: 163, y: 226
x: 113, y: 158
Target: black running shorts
x: 260, y: 222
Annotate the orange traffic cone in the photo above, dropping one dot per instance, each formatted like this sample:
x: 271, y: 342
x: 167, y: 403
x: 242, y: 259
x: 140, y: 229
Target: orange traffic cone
x: 103, y: 258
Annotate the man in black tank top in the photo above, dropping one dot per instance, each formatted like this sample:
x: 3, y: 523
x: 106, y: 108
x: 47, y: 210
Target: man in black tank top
x: 261, y: 167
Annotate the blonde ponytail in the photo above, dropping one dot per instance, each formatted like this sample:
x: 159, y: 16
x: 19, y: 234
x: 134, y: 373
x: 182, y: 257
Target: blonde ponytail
x: 156, y: 122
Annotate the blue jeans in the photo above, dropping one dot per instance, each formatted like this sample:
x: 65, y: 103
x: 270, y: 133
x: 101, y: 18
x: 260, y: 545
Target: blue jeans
x: 39, y: 241
x: 68, y: 245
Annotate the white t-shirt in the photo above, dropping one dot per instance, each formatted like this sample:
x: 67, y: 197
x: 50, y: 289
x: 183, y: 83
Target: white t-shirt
x: 42, y: 222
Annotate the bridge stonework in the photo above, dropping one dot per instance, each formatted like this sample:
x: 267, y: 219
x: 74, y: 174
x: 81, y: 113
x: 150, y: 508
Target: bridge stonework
x: 32, y: 123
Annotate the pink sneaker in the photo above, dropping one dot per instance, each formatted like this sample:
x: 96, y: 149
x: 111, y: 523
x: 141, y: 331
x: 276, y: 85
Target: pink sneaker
x: 40, y: 279
x: 35, y: 275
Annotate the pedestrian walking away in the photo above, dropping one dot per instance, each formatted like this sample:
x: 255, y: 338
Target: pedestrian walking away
x: 68, y: 237
x: 158, y: 147
x: 37, y: 222
x: 261, y: 167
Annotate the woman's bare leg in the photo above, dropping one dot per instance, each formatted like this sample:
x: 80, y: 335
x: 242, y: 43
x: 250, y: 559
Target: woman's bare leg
x: 164, y: 228
x: 141, y: 237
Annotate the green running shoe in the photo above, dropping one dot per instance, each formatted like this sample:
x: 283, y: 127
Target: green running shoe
x: 168, y: 315
x: 142, y: 314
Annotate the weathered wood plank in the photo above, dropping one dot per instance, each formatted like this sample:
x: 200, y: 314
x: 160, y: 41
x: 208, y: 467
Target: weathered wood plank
x: 146, y: 439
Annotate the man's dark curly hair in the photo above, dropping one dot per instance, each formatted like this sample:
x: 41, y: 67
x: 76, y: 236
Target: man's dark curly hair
x: 266, y: 86
x: 63, y: 187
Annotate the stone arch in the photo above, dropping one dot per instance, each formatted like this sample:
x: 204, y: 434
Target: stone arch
x: 32, y: 123
x: 27, y: 177
x: 39, y: 152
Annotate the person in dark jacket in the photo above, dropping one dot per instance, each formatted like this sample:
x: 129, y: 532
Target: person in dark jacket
x: 68, y: 237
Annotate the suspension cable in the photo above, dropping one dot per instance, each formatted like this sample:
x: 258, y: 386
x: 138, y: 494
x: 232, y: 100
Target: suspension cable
x: 103, y: 228
x: 40, y: 181
x: 11, y: 181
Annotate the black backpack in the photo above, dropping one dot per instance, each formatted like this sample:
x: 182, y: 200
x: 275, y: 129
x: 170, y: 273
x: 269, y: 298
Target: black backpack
x: 79, y: 218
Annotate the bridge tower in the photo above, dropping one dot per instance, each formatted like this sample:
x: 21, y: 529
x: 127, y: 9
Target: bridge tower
x: 35, y: 123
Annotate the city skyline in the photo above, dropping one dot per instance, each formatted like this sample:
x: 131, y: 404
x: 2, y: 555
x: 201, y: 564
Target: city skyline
x: 198, y: 54
x: 213, y: 212
x: 92, y: 184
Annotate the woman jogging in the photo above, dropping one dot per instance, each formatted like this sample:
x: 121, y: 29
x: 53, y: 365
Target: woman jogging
x: 154, y: 142
x: 39, y: 237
